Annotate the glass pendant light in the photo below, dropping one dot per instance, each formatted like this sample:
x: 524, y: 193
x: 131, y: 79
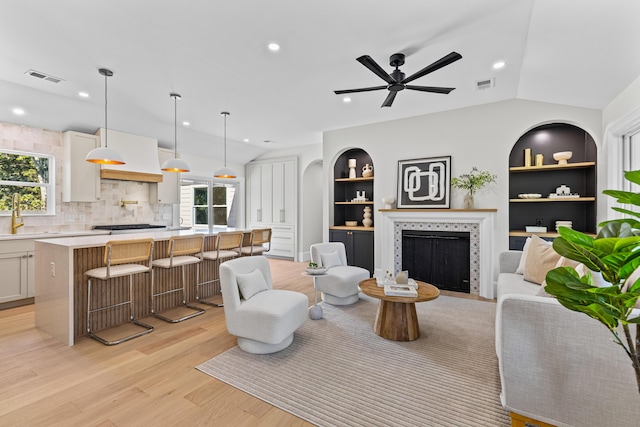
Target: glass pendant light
x: 224, y: 172
x: 175, y: 164
x: 105, y: 155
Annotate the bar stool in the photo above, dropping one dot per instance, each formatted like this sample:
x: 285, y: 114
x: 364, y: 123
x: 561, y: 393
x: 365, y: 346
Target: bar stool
x: 182, y: 251
x: 259, y: 237
x: 226, y: 247
x: 121, y: 258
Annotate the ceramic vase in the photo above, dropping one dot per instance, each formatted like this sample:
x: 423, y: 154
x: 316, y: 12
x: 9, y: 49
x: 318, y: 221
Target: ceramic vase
x: 367, y: 170
x: 352, y: 168
x: 367, y: 221
x: 468, y: 201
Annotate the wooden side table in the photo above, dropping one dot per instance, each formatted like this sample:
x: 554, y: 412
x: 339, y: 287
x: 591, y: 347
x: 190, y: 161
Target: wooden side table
x: 396, y: 318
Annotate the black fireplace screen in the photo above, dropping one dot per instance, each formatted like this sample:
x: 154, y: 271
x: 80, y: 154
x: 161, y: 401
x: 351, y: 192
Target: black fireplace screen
x: 441, y: 258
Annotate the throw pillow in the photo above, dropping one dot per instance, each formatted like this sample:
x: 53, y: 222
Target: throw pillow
x: 330, y: 259
x: 562, y: 262
x: 251, y: 283
x: 523, y: 258
x: 540, y: 259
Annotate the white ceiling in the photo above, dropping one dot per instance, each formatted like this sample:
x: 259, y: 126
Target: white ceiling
x: 575, y: 52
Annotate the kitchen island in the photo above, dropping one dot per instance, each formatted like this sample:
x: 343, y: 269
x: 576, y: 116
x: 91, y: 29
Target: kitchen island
x: 61, y: 286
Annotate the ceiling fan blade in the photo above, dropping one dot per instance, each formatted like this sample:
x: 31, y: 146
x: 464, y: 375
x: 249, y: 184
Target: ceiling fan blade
x: 368, y: 62
x: 442, y: 62
x: 387, y: 102
x: 364, y: 89
x: 432, y: 89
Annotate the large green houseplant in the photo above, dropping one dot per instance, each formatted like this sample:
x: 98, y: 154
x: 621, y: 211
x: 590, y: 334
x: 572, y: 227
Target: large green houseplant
x: 614, y: 252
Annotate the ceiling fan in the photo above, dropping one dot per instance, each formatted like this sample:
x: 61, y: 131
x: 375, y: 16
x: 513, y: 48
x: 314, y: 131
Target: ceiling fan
x: 396, y: 81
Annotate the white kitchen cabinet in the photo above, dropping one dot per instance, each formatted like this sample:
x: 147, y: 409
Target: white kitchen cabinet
x: 272, y: 202
x: 80, y: 179
x: 166, y: 191
x: 17, y: 270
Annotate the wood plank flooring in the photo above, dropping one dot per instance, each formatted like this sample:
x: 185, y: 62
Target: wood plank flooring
x: 150, y: 380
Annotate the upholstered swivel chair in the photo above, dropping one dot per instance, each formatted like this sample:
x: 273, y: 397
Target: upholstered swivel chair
x: 340, y: 285
x: 264, y: 319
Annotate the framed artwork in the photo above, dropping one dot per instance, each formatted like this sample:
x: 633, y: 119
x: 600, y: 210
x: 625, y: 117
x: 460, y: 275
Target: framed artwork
x: 424, y: 183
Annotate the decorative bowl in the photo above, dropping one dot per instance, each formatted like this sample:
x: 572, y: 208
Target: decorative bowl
x: 316, y: 270
x: 530, y: 196
x: 562, y: 156
x: 351, y: 223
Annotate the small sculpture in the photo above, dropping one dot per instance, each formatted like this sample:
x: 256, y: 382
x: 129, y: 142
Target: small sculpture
x: 367, y: 221
x: 367, y: 171
x: 388, y: 202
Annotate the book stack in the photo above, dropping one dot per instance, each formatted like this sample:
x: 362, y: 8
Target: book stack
x: 400, y: 291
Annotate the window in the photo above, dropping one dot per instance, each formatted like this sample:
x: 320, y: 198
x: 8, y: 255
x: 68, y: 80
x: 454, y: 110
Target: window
x: 30, y: 175
x: 205, y: 203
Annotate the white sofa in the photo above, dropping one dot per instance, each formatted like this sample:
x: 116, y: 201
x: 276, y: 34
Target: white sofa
x: 558, y: 366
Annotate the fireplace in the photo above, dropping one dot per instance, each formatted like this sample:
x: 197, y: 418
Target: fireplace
x: 479, y: 223
x: 441, y: 258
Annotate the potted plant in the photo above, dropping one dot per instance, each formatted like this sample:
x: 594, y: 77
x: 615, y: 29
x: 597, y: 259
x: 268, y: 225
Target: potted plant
x: 472, y: 182
x: 614, y: 252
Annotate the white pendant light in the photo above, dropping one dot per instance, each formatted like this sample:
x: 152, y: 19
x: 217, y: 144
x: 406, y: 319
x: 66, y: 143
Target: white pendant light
x: 175, y: 164
x: 105, y: 155
x: 224, y: 172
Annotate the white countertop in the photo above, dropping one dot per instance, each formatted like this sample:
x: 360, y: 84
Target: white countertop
x: 52, y: 235
x: 95, y: 239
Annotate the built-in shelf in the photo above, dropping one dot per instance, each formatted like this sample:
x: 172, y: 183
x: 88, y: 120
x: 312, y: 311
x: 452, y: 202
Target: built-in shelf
x: 548, y: 167
x: 366, y: 202
x: 369, y: 178
x: 554, y: 199
x: 356, y: 228
x: 522, y: 233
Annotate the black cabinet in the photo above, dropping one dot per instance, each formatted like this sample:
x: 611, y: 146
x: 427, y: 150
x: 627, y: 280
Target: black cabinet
x: 358, y: 245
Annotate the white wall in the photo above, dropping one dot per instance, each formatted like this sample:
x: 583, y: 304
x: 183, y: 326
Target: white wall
x: 311, y: 209
x: 480, y: 136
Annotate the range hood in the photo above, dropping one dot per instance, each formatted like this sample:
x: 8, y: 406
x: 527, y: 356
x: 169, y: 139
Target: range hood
x: 140, y: 154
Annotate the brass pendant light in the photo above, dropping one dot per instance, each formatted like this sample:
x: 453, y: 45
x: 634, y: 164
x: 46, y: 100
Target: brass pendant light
x: 175, y: 164
x: 105, y: 155
x: 225, y: 172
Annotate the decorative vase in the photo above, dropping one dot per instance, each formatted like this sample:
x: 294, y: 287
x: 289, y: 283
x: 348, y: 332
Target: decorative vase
x: 367, y: 171
x: 352, y: 168
x: 468, y: 201
x: 367, y: 221
x: 388, y: 202
x: 527, y: 157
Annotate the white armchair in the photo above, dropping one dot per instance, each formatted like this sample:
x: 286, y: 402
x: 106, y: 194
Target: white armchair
x: 340, y: 285
x: 264, y: 319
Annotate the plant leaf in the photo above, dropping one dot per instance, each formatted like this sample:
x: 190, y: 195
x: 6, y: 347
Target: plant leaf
x: 633, y: 176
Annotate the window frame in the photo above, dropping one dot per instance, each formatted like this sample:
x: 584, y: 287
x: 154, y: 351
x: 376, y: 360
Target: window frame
x: 50, y: 186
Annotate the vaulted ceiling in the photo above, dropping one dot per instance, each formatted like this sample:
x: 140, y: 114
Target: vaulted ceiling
x: 574, y: 52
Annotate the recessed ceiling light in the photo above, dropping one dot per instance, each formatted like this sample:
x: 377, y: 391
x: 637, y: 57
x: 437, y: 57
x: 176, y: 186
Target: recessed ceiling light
x: 83, y: 94
x: 273, y: 47
x: 346, y: 100
x: 186, y: 123
x: 498, y: 65
x: 18, y: 111
x: 246, y: 140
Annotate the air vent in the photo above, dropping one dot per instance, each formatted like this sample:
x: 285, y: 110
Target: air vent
x: 43, y: 76
x: 485, y: 84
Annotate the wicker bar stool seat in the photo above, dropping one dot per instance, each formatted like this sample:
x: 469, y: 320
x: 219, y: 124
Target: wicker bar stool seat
x: 182, y: 251
x: 121, y: 258
x: 227, y: 246
x: 259, y: 238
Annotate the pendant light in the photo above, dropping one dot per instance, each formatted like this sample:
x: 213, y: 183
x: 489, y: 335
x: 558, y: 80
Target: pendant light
x: 224, y: 172
x: 105, y: 155
x: 175, y: 164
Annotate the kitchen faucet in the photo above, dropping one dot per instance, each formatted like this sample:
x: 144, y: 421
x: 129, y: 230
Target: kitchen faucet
x: 15, y: 214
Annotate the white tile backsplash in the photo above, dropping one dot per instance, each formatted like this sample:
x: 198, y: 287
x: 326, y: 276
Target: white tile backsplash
x: 80, y: 216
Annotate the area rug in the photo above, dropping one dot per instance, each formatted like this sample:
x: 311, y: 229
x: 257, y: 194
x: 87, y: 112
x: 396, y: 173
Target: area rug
x: 338, y: 372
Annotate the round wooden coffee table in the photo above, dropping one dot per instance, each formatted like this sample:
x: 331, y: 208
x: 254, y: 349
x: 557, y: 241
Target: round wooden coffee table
x: 396, y: 318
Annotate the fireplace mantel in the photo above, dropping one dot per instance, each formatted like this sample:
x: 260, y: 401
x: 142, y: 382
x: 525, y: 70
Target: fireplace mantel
x: 479, y: 221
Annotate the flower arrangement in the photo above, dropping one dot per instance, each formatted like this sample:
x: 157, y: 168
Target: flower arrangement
x: 473, y: 181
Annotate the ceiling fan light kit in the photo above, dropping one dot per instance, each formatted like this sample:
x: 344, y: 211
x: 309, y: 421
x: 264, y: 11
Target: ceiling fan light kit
x: 175, y: 164
x: 225, y: 172
x: 397, y: 80
x: 105, y: 155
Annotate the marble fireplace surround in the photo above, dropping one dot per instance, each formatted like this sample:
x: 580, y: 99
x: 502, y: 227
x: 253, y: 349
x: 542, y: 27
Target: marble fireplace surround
x: 478, y: 222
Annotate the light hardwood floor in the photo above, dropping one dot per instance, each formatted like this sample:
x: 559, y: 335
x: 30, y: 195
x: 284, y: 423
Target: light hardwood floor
x: 150, y: 380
